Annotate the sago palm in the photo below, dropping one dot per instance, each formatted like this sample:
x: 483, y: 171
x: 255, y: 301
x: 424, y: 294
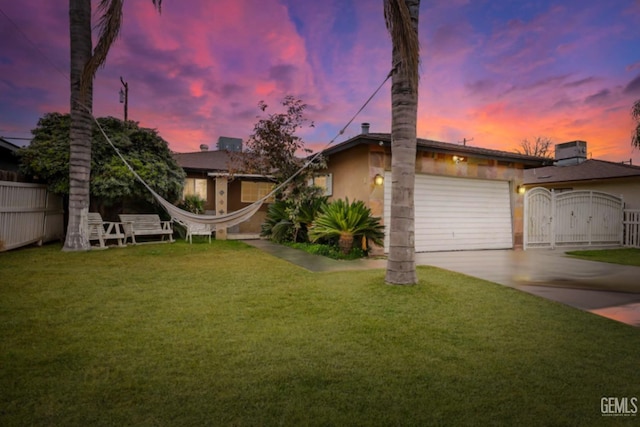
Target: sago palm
x: 346, y: 221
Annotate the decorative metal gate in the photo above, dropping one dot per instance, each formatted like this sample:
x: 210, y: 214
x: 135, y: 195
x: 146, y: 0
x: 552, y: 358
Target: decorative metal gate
x: 572, y: 218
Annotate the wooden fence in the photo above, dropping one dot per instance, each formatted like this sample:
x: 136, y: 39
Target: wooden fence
x: 632, y: 228
x: 29, y: 214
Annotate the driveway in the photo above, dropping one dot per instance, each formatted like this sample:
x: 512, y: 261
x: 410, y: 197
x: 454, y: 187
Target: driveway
x: 605, y: 289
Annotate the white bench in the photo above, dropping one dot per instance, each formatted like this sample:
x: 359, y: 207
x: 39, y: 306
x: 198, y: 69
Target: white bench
x: 197, y: 229
x: 145, y: 225
x: 104, y: 230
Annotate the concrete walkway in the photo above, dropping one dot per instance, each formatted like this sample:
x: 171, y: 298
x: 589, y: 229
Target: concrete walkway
x: 546, y: 273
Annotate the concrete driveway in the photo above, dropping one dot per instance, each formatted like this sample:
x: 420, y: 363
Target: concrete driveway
x: 552, y: 275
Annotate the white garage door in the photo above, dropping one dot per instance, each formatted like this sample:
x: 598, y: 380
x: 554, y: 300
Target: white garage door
x: 457, y: 213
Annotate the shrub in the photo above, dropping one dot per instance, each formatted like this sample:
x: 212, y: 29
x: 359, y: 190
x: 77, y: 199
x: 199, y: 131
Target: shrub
x: 192, y: 203
x: 288, y: 220
x: 346, y: 221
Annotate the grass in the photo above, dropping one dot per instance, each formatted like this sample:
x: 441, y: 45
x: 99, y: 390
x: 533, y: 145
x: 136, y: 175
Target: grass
x: 626, y: 256
x: 224, y: 334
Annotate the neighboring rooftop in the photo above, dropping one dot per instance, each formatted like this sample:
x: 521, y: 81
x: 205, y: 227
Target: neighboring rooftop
x: 588, y: 170
x: 440, y: 147
x: 204, y: 160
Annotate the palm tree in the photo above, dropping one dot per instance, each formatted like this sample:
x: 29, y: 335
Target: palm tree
x: 635, y: 113
x: 402, y: 22
x: 84, y: 63
x: 346, y: 221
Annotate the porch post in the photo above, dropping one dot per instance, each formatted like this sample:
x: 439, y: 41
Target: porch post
x: 221, y: 204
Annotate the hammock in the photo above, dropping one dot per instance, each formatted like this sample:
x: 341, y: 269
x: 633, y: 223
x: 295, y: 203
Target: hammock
x: 187, y: 218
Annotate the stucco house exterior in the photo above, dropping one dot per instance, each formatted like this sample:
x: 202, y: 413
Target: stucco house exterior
x: 208, y: 176
x: 573, y: 171
x: 466, y: 197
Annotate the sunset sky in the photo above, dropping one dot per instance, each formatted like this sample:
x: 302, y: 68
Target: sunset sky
x: 494, y: 72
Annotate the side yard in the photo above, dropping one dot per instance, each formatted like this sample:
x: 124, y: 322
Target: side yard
x: 224, y: 334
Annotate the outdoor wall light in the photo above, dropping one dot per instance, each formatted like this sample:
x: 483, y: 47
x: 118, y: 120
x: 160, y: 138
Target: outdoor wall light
x: 458, y: 159
x: 378, y: 179
x: 520, y: 189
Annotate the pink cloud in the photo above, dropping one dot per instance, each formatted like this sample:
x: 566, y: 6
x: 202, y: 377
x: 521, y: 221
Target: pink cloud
x: 197, y: 71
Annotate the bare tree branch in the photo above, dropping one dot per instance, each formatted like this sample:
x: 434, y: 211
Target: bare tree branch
x: 540, y: 146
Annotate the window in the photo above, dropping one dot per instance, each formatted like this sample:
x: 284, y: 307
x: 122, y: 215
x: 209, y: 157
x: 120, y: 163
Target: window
x: 252, y: 191
x: 323, y: 181
x: 195, y: 186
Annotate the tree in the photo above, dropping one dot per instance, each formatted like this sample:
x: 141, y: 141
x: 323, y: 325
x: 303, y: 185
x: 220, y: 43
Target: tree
x: 273, y: 147
x: 272, y: 150
x: 539, y: 147
x: 635, y: 113
x: 84, y: 64
x: 401, y: 18
x: 47, y: 157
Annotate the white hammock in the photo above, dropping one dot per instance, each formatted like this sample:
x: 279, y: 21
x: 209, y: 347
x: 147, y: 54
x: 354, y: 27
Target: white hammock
x: 187, y: 218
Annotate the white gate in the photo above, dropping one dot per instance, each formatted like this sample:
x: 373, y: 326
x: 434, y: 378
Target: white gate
x: 572, y: 218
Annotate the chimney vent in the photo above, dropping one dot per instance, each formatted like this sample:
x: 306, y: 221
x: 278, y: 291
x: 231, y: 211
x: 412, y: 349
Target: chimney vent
x: 571, y: 153
x: 204, y: 147
x: 365, y: 128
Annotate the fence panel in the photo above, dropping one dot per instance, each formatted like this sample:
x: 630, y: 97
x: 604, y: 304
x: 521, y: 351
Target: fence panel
x: 632, y: 228
x: 28, y: 214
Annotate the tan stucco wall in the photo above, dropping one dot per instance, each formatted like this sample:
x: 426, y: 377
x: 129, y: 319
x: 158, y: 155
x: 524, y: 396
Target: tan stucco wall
x: 350, y: 169
x: 628, y: 188
x: 354, y: 170
x: 232, y: 200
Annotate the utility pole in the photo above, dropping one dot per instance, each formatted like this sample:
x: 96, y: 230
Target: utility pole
x: 124, y: 98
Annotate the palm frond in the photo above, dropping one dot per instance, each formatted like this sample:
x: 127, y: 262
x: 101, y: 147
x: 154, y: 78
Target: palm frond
x: 108, y: 29
x: 404, y: 38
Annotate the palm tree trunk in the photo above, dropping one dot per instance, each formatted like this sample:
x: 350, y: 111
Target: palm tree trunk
x: 345, y: 243
x: 81, y: 125
x: 401, y: 267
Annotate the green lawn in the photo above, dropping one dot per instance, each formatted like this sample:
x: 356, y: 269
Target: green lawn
x: 224, y: 334
x: 625, y: 256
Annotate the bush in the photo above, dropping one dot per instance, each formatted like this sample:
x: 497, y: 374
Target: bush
x: 345, y: 222
x: 192, y: 203
x: 289, y: 221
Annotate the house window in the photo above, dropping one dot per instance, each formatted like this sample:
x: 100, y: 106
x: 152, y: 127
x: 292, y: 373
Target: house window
x: 252, y: 191
x: 195, y: 186
x: 324, y: 181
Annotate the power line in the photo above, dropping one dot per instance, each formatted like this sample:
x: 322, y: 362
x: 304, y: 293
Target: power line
x: 35, y: 46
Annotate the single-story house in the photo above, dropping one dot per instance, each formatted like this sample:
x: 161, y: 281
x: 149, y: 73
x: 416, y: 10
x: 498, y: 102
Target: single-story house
x: 573, y: 171
x: 466, y: 197
x: 208, y: 177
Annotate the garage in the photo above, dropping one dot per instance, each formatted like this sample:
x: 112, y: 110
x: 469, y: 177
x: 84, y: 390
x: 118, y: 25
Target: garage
x: 454, y: 213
